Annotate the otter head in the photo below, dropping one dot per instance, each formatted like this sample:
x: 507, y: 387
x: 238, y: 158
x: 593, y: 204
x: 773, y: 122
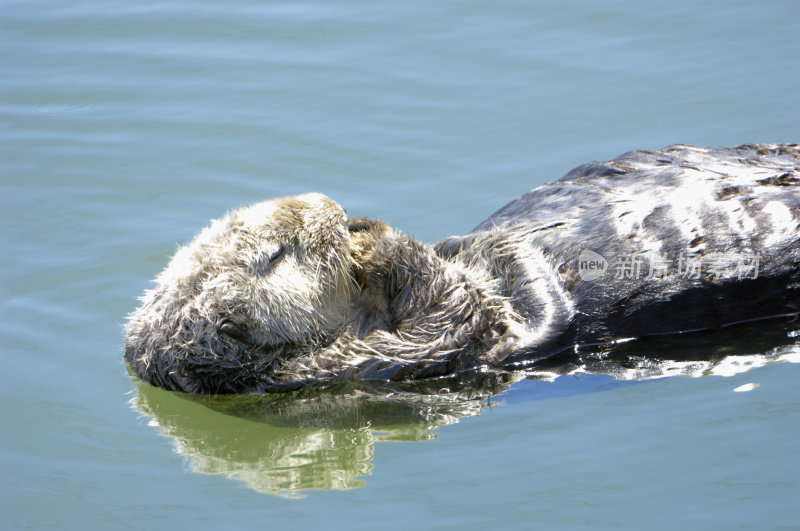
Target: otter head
x: 257, y: 285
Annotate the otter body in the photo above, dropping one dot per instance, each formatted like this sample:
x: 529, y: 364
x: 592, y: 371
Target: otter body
x: 289, y: 293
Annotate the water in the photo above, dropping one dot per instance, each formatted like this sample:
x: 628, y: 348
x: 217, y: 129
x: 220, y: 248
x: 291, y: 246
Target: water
x: 127, y: 125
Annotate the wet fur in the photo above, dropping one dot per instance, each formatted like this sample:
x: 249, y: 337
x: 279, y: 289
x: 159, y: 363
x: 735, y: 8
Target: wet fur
x: 290, y: 293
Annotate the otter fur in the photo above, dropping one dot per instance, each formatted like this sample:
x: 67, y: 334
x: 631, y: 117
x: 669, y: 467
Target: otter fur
x: 290, y: 293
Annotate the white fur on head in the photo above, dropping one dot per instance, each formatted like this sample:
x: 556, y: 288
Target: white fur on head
x: 262, y: 277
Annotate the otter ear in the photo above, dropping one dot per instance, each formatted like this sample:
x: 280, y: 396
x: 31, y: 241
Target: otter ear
x: 451, y: 246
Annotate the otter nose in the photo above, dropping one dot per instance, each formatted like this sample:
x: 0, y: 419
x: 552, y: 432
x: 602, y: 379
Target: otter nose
x: 234, y: 330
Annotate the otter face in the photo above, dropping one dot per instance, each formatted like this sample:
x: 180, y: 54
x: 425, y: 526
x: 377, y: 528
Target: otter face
x: 245, y: 292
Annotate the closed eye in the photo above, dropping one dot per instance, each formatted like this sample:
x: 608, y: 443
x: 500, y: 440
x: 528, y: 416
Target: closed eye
x: 264, y: 265
x: 277, y: 254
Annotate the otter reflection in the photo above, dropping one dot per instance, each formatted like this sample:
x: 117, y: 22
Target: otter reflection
x: 321, y: 439
x: 324, y: 439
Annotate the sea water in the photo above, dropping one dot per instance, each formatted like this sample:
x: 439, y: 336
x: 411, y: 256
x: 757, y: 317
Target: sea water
x: 125, y: 126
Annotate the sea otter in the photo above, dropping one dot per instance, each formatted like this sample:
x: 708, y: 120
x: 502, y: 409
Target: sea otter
x: 290, y: 293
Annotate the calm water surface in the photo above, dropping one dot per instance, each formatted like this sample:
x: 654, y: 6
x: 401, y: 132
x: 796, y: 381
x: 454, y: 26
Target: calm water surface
x: 126, y: 126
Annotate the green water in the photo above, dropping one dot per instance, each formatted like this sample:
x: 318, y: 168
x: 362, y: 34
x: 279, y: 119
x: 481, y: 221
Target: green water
x: 126, y: 126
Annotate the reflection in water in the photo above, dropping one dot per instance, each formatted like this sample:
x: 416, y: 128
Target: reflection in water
x: 324, y: 439
x: 316, y: 439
